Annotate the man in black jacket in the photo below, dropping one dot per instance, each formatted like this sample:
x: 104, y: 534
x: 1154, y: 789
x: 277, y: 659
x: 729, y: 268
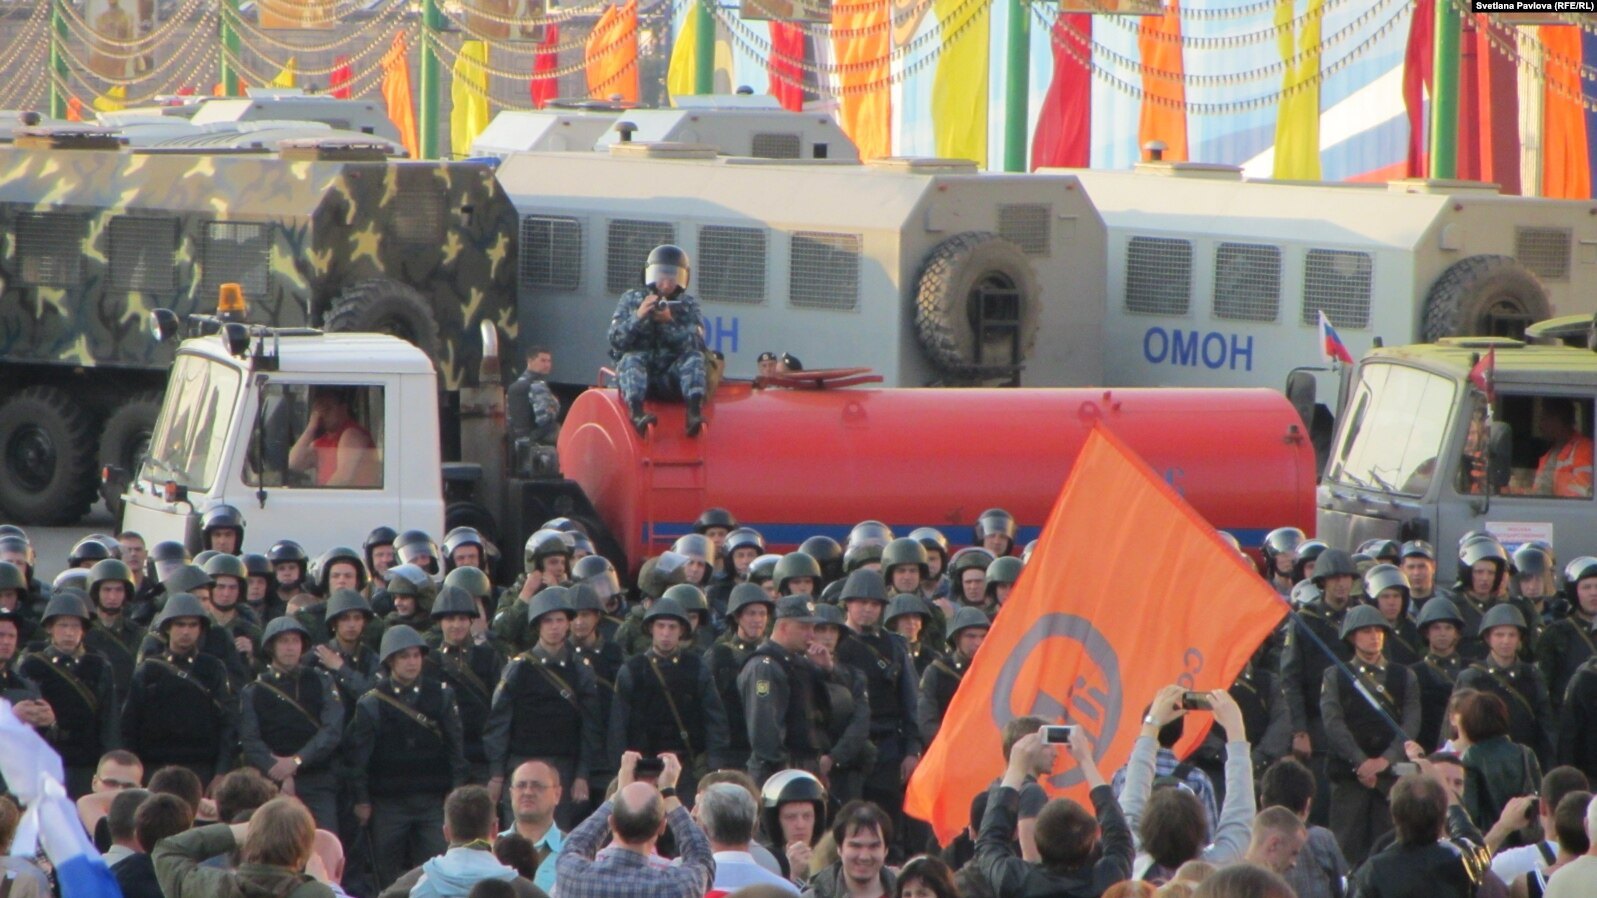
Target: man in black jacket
x: 1068, y: 868
x: 1438, y: 853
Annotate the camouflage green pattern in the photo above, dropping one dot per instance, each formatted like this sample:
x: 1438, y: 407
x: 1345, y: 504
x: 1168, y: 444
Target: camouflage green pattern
x: 310, y: 228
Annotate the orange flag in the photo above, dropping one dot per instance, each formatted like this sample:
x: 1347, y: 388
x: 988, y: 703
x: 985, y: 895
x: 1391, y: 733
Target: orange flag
x: 862, y: 41
x: 1566, y: 172
x: 1079, y: 643
x: 1164, y: 86
x: 611, y: 54
x: 396, y: 94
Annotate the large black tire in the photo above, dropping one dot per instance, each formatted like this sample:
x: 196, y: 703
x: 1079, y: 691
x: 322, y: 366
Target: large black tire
x: 47, y: 458
x: 944, y: 318
x: 125, y: 439
x: 385, y: 307
x: 1484, y: 296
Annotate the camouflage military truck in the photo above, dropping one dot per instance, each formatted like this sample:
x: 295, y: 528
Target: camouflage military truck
x: 329, y: 234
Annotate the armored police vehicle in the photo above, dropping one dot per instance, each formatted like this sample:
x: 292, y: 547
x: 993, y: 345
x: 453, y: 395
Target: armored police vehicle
x: 326, y: 233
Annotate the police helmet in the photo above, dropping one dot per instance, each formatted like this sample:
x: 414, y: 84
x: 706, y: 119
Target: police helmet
x: 933, y: 539
x: 222, y: 517
x: 968, y: 558
x: 550, y: 600
x: 964, y: 619
x: 715, y: 517
x: 864, y: 585
x: 280, y: 625
x: 827, y: 553
x: 345, y: 601
x: 743, y: 538
x: 1504, y: 615
x: 543, y: 544
x: 668, y: 260
x: 67, y: 602
x: 858, y: 556
x: 396, y: 639
x: 257, y: 565
x: 337, y: 555
x: 1478, y: 549
x: 581, y: 545
x: 994, y: 521
x: 379, y: 536
x: 1438, y: 610
x: 72, y: 578
x: 459, y: 538
x: 181, y: 605
x: 1531, y: 561
x: 1333, y: 563
x: 225, y: 565
x: 411, y: 580
x: 906, y: 603
x: 187, y: 578
x: 793, y: 565
x: 1004, y: 571
x: 1360, y: 617
x: 1578, y: 569
x: 1309, y: 552
x: 869, y: 533
x: 746, y: 594
x: 1383, y: 550
x: 564, y: 525
x: 1230, y: 539
x: 204, y: 557
x: 829, y: 616
x: 1281, y: 541
x: 416, y: 547
x: 597, y: 571
x: 11, y: 577
x: 1382, y: 577
x: 286, y: 550
x: 111, y: 569
x: 764, y: 568
x: 905, y: 551
x: 696, y: 547
x: 667, y: 607
x: 585, y: 598
x: 472, y: 580
x: 453, y: 600
x: 1025, y: 554
x: 87, y: 549
x: 660, y: 573
x: 786, y: 787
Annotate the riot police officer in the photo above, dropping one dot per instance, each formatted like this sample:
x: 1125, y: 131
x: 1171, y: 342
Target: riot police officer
x: 1566, y: 644
x: 378, y: 553
x: 715, y: 524
x: 180, y: 709
x: 14, y: 597
x: 828, y: 556
x: 470, y: 669
x: 411, y: 589
x: 781, y: 693
x: 346, y: 656
x: 259, y: 597
x: 967, y: 578
x: 465, y: 547
x: 739, y: 550
x: 290, y: 567
x: 596, y: 572
x: 481, y: 590
x: 229, y: 615
x: 600, y: 655
x: 1312, y: 646
x: 1441, y: 626
x: 78, y: 686
x: 1483, y: 569
x: 999, y: 580
x: 749, y: 610
x: 222, y: 530
x: 1387, y: 589
x: 906, y: 566
x: 797, y: 574
x: 546, y: 708
x: 910, y: 617
x: 934, y: 586
x: 291, y: 722
x: 113, y: 634
x: 404, y: 749
x: 847, y: 755
x: 657, y: 339
x: 666, y: 701
x: 941, y: 679
x: 1418, y: 561
x: 417, y: 547
x: 339, y: 568
x: 1518, y: 683
x: 995, y: 531
x: 1280, y: 552
x: 546, y: 561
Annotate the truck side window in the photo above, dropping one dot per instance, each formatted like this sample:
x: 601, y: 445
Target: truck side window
x: 1552, y: 445
x: 318, y: 436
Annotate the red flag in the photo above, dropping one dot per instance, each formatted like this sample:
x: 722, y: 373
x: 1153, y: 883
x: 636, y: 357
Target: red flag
x: 1417, y: 73
x: 343, y: 74
x: 1063, y: 137
x: 1078, y: 643
x: 544, y: 88
x: 787, y: 52
x: 1484, y: 375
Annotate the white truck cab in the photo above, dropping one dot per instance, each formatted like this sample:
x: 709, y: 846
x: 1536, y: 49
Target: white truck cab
x: 236, y: 428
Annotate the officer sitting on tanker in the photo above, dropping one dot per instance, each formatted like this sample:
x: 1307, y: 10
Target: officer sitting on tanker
x: 657, y: 337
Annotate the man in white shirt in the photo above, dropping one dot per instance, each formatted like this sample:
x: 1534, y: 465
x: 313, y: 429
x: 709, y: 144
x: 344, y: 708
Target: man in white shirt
x: 1514, y: 863
x: 727, y: 814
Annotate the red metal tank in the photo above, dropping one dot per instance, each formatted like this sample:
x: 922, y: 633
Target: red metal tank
x: 795, y: 463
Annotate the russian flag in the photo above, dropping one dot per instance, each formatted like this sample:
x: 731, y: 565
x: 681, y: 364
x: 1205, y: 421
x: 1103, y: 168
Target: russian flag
x: 33, y: 772
x: 1331, y: 345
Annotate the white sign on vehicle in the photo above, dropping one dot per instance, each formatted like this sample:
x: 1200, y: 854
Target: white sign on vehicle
x: 1513, y: 534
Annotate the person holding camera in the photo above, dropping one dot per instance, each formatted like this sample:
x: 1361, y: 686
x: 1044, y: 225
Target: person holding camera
x: 657, y: 340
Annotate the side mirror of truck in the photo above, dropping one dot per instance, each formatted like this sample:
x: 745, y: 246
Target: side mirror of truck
x: 1301, y: 389
x: 164, y: 324
x: 1500, y: 454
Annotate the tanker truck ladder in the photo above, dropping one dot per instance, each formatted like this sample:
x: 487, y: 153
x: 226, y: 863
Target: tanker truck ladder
x: 820, y: 379
x: 673, y: 474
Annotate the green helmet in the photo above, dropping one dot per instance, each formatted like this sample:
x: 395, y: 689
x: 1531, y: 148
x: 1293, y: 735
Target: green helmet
x: 343, y: 601
x: 666, y: 607
x: 660, y: 573
x: 542, y: 544
x: 746, y: 594
x: 205, y: 556
x: 829, y: 616
x: 412, y: 581
x: 763, y: 568
x: 11, y: 577
x: 967, y: 558
x: 454, y: 600
x: 179, y: 605
x: 1382, y: 577
x: 584, y: 597
x: 472, y: 580
x: 72, y: 578
x: 105, y: 571
x: 398, y: 638
x: 858, y: 556
x: 285, y: 624
x: 906, y: 603
x: 1004, y: 571
x: 1504, y: 615
x: 964, y: 619
x: 1436, y: 611
x: 1360, y: 617
x: 697, y: 547
x: 551, y: 600
x: 223, y: 565
x: 336, y: 555
x: 792, y: 565
x: 1332, y: 563
x: 70, y: 603
x: 187, y: 578
x: 689, y: 597
x: 864, y: 584
x: 905, y: 550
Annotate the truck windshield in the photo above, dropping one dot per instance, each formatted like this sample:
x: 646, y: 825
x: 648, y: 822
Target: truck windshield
x: 1396, y: 425
x: 187, y: 442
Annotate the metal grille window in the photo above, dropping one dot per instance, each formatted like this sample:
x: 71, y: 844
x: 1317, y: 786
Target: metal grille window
x: 1158, y: 275
x: 235, y: 253
x: 825, y: 270
x: 420, y: 213
x: 143, y: 254
x: 49, y: 248
x: 1028, y: 226
x: 551, y: 252
x: 1545, y: 251
x: 731, y: 264
x: 777, y: 146
x: 1338, y: 282
x: 1247, y: 281
x: 630, y: 241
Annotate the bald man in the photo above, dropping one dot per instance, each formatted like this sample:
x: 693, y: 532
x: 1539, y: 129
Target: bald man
x: 535, y: 791
x: 636, y: 818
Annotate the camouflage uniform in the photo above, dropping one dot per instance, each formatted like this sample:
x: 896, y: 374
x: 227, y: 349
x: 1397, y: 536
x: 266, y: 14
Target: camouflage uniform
x: 545, y: 409
x: 663, y: 360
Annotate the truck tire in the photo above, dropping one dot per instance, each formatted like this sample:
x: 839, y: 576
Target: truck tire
x: 1484, y: 296
x: 126, y: 438
x: 47, y: 458
x: 385, y: 307
x: 945, y: 316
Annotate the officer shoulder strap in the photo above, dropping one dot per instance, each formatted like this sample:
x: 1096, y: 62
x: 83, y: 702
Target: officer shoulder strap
x: 414, y: 715
x: 881, y: 660
x: 554, y: 679
x: 1581, y: 632
x: 1499, y: 679
x: 293, y: 702
x: 1374, y: 691
x: 186, y: 677
x: 461, y: 668
x: 71, y: 679
x: 941, y: 665
x: 682, y: 728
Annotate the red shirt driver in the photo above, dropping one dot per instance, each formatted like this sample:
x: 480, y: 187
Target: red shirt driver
x: 341, y: 451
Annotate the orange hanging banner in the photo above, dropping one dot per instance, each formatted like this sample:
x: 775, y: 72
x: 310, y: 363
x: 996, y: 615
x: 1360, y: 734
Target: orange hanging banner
x: 1079, y: 643
x: 1566, y: 171
x: 862, y: 41
x: 1164, y: 86
x: 397, y: 96
x: 611, y: 54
